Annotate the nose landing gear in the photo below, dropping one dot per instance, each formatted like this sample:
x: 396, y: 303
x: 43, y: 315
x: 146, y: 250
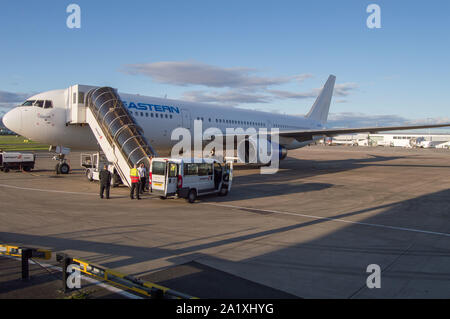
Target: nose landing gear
x: 62, y: 167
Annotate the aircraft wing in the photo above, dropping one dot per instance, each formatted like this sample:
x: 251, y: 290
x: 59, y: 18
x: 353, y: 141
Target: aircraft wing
x: 307, y: 135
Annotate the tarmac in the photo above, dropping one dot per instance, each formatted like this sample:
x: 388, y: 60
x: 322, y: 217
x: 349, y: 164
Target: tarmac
x: 309, y: 231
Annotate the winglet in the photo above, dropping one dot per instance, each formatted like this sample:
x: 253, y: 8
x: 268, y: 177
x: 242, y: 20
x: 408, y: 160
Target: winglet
x: 321, y: 107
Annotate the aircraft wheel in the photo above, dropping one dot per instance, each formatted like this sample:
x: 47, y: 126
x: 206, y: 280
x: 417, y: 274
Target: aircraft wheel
x: 64, y: 168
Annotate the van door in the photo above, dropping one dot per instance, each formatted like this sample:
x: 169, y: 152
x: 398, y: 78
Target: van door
x: 158, y: 175
x: 171, y: 178
x: 205, y: 174
x: 229, y: 171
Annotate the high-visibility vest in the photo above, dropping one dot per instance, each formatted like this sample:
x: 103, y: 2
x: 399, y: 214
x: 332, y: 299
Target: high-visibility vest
x: 134, y: 175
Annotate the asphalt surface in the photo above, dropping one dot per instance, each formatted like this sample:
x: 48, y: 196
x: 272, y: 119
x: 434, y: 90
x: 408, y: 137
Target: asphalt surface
x: 310, y: 231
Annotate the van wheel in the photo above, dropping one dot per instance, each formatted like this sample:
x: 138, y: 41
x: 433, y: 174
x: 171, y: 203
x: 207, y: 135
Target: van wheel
x: 162, y: 197
x: 192, y: 196
x: 223, y: 192
x: 89, y: 175
x: 116, y: 180
x: 6, y: 169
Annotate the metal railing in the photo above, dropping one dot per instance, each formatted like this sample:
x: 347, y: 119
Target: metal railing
x: 119, y: 126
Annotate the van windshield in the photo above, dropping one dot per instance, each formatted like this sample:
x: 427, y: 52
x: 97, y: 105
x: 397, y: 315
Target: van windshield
x: 158, y: 168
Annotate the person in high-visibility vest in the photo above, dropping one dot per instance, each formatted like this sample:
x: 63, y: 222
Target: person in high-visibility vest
x: 134, y: 175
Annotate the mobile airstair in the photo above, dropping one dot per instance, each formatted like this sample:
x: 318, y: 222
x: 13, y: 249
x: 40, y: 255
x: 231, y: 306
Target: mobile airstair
x: 117, y: 133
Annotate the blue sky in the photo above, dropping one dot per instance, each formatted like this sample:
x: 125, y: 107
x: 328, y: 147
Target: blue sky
x: 266, y: 55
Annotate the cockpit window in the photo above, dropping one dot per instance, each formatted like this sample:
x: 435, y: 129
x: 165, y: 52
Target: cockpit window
x: 28, y: 103
x: 39, y: 103
x: 48, y: 104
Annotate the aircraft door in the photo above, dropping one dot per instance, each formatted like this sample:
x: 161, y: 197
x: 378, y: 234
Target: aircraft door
x: 186, y: 119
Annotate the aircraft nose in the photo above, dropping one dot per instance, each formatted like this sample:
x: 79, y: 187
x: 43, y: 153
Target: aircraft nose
x: 12, y: 120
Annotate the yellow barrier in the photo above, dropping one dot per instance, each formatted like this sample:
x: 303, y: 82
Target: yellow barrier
x: 128, y: 282
x: 16, y: 251
x: 145, y: 288
x: 25, y: 254
x: 116, y: 278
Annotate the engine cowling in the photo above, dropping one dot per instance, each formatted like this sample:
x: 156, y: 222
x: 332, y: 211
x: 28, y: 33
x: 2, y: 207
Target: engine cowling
x: 259, y: 151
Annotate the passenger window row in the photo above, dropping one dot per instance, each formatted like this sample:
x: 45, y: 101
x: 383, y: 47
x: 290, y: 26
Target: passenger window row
x: 198, y: 169
x: 281, y: 126
x: 244, y: 123
x: 224, y: 121
x: 156, y: 115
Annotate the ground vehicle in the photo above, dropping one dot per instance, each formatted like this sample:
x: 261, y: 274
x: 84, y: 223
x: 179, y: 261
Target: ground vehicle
x: 14, y: 160
x: 190, y: 178
x: 94, y: 163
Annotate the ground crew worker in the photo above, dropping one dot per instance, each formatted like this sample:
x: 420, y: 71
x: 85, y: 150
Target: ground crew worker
x: 142, y: 177
x: 105, y: 181
x: 134, y: 175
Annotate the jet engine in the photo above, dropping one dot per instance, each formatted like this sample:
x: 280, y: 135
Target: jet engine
x: 259, y: 151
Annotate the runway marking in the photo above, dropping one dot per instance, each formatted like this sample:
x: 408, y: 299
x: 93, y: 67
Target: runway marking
x: 88, y: 279
x: 414, y: 230
x: 46, y: 190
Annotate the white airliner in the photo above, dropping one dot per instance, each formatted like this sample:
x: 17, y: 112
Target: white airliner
x: 50, y: 118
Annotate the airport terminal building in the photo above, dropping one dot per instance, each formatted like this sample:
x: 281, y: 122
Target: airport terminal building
x: 408, y: 140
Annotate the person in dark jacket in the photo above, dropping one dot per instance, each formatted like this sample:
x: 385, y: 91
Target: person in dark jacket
x: 105, y: 181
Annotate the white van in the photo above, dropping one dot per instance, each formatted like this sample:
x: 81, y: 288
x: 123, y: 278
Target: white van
x: 189, y: 178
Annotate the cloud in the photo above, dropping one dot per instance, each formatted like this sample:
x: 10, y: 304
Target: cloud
x: 8, y: 100
x: 293, y: 95
x: 244, y: 85
x: 352, y: 119
x: 187, y: 73
x: 343, y: 89
x: 433, y: 120
x: 230, y: 98
x: 9, y: 97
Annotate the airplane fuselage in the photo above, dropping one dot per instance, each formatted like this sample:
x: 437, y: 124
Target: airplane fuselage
x: 158, y: 117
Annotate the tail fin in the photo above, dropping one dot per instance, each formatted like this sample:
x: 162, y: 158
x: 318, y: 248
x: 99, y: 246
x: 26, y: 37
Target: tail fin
x: 320, y: 109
